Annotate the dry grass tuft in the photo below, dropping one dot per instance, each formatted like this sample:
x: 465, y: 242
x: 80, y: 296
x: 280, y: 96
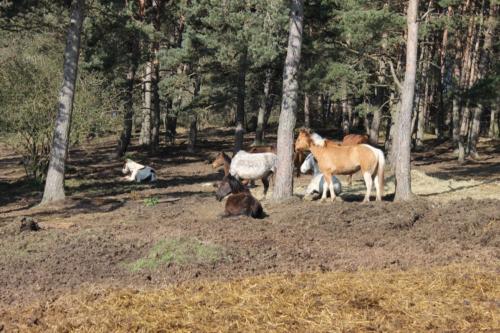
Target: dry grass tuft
x: 446, y: 299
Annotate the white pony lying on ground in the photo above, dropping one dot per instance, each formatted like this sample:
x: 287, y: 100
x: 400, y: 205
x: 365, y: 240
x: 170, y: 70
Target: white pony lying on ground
x: 138, y: 172
x: 315, y: 187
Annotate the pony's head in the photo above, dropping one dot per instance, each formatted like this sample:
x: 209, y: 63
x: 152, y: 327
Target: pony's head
x: 303, y: 141
x: 308, y: 164
x: 126, y: 166
x: 220, y: 159
x: 228, y: 185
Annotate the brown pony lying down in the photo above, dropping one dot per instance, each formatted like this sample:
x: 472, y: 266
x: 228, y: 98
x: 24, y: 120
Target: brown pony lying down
x: 241, y: 201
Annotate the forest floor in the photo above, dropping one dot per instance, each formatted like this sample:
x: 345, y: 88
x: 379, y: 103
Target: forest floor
x: 120, y: 256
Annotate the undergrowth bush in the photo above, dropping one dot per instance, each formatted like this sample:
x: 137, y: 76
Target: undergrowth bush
x: 30, y: 78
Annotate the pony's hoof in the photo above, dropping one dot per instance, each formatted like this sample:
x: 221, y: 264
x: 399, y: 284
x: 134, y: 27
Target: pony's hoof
x: 322, y: 200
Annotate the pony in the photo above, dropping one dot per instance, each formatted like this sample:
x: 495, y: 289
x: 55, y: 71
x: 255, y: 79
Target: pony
x: 345, y: 160
x: 298, y: 156
x: 354, y: 139
x: 248, y: 166
x: 263, y: 149
x: 138, y: 172
x: 241, y: 201
x: 254, y: 166
x: 318, y: 181
x: 222, y: 159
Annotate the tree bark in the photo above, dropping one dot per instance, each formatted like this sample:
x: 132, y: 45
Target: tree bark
x: 128, y: 116
x: 261, y: 117
x: 345, y: 116
x: 494, y: 128
x: 283, y: 187
x: 440, y: 115
x: 54, y: 184
x: 155, y: 78
x: 483, y: 69
x: 193, y: 132
x: 307, y: 111
x: 239, y: 131
x: 145, y: 138
x: 403, y: 175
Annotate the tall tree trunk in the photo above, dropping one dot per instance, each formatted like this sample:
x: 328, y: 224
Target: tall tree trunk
x: 261, y: 117
x: 283, y: 187
x: 155, y: 79
x: 239, y: 131
x: 307, y: 110
x: 193, y: 132
x: 54, y: 184
x: 377, y: 113
x: 128, y: 115
x: 440, y: 115
x: 170, y: 122
x: 475, y: 130
x: 494, y: 130
x: 483, y: 69
x: 346, y: 124
x: 470, y: 77
x: 145, y: 138
x: 403, y: 175
x: 155, y: 129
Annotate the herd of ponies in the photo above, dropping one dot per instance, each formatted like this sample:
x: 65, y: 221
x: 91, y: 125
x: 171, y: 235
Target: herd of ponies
x: 325, y: 160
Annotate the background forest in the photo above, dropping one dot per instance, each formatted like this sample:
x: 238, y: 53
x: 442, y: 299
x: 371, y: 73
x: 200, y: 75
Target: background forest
x: 147, y: 67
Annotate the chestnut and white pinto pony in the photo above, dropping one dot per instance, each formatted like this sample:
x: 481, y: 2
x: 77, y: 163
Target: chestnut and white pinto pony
x: 253, y: 166
x: 345, y: 160
x: 317, y: 183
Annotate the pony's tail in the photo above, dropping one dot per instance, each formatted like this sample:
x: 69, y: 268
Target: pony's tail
x: 380, y: 172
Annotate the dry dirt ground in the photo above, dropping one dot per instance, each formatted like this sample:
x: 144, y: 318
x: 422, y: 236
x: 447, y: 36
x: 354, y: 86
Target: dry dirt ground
x: 113, y: 234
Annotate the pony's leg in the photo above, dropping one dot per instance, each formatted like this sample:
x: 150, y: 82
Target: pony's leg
x: 265, y: 181
x: 332, y: 190
x: 368, y: 182
x: 377, y: 188
x: 326, y: 185
x: 349, y: 180
x: 132, y: 175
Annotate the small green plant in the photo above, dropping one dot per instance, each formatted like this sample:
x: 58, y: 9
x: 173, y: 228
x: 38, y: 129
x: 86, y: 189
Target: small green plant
x: 180, y: 251
x: 151, y: 202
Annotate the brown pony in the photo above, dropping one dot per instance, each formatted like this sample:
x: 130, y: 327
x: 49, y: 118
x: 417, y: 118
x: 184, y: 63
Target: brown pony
x: 263, y: 149
x: 345, y: 160
x: 222, y: 160
x: 354, y: 139
x: 241, y: 201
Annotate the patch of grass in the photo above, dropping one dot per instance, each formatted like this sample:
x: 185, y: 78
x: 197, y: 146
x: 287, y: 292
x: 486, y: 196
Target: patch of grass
x: 180, y: 251
x: 151, y: 201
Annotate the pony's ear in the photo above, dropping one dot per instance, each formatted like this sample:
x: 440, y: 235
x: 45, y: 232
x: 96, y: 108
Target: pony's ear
x: 305, y: 130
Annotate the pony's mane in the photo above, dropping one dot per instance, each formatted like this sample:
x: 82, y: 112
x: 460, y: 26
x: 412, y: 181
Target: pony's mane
x: 317, y: 140
x: 235, y: 184
x: 226, y: 157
